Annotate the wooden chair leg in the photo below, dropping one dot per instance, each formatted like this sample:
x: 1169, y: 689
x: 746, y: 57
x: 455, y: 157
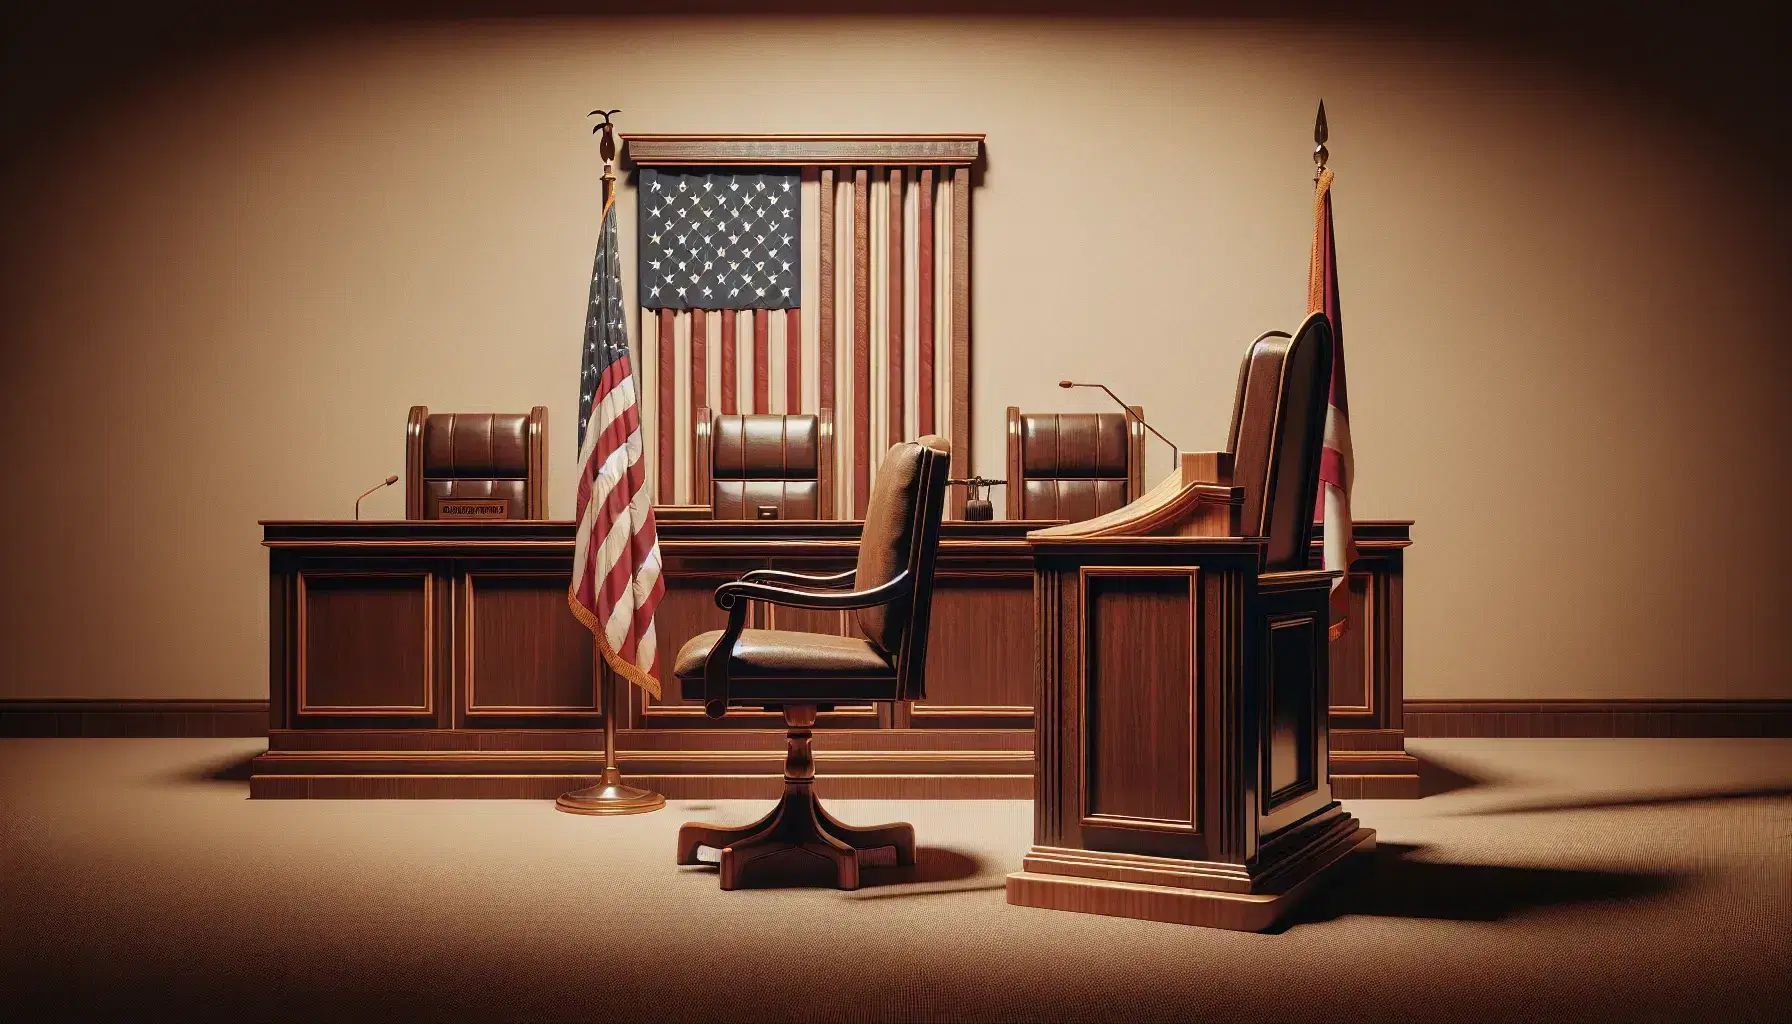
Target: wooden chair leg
x: 798, y: 824
x: 693, y: 834
x: 898, y: 835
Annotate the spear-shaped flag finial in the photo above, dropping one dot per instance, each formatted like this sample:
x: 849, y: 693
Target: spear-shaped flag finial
x: 1320, y: 153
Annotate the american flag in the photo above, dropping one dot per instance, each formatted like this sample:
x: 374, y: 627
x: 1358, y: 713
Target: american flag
x: 721, y: 240
x: 875, y: 321
x: 616, y: 582
x: 1336, y: 462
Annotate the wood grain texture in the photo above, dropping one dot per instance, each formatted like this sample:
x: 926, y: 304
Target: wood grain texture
x: 980, y: 656
x: 665, y: 373
x: 177, y: 717
x: 924, y: 398
x: 1139, y: 696
x: 366, y: 643
x: 861, y: 341
x: 1595, y: 718
x: 762, y: 364
x: 730, y: 363
x: 1191, y: 716
x: 775, y: 150
x: 824, y: 301
x: 525, y: 654
x: 977, y: 704
x: 793, y: 361
x: 894, y: 295
x: 1204, y: 908
x: 699, y: 393
x: 961, y: 334
x: 136, y: 718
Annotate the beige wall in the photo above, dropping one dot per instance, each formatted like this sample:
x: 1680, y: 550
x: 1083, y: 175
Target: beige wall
x: 224, y: 294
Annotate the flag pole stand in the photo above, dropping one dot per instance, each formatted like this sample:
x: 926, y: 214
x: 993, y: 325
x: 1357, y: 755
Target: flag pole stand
x: 610, y: 796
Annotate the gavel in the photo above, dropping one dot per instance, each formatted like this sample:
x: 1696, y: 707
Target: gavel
x: 977, y: 508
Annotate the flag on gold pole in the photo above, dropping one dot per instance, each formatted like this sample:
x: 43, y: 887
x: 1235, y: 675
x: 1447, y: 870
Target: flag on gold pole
x: 1336, y: 462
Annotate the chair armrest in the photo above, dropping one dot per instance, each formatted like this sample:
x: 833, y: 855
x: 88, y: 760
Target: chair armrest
x: 728, y: 593
x: 797, y: 579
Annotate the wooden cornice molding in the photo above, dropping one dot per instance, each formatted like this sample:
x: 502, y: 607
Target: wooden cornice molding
x: 735, y: 150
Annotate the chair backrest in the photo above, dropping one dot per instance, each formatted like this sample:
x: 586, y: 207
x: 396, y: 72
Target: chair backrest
x: 746, y: 465
x: 1278, y: 434
x: 1073, y: 466
x: 453, y: 459
x: 902, y: 531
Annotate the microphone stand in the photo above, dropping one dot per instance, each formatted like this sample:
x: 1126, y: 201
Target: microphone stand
x: 1175, y: 452
x: 389, y: 481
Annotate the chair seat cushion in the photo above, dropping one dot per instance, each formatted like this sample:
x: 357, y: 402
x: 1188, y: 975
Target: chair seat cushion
x: 777, y: 653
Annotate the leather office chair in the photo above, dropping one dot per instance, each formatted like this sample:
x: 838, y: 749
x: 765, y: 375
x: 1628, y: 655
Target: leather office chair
x: 459, y: 458
x: 1073, y: 466
x: 765, y: 466
x: 891, y: 591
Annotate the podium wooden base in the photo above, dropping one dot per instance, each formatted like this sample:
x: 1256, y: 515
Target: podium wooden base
x: 1206, y: 894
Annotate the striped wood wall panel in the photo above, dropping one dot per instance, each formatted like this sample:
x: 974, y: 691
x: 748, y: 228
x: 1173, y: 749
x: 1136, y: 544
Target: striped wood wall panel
x: 883, y: 335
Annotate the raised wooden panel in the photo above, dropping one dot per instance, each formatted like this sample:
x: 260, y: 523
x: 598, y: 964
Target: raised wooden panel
x: 524, y: 652
x: 1290, y: 710
x: 1139, y: 698
x: 366, y: 644
x: 980, y: 650
x: 688, y: 608
x: 1353, y: 674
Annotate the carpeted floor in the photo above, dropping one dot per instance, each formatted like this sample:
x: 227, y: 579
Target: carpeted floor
x: 1555, y: 879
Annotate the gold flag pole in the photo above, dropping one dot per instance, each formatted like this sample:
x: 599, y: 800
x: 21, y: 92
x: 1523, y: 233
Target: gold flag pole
x: 609, y: 795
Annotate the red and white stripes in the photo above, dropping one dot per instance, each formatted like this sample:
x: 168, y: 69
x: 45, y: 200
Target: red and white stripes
x: 873, y: 341
x: 616, y: 583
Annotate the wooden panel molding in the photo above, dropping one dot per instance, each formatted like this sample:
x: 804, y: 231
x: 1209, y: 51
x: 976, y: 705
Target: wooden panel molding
x: 1535, y: 719
x: 523, y: 652
x: 137, y: 719
x: 366, y: 644
x: 1140, y: 697
x: 747, y: 150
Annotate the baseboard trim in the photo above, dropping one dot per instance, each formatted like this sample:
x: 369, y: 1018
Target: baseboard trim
x: 1597, y: 718
x: 140, y: 719
x: 1422, y: 718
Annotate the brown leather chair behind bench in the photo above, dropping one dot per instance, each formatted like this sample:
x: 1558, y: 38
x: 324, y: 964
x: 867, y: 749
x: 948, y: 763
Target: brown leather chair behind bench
x: 765, y: 466
x: 482, y: 465
x: 1073, y: 466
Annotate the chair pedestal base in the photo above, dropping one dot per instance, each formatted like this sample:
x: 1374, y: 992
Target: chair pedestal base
x: 798, y: 828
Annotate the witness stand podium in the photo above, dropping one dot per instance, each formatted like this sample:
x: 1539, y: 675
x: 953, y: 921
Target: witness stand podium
x: 1183, y: 669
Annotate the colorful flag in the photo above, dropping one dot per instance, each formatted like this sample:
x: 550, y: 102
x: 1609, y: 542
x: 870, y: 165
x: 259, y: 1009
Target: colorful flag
x: 616, y: 582
x: 1336, y: 463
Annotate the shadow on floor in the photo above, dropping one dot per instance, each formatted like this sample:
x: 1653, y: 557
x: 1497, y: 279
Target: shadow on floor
x: 1659, y: 800
x: 1389, y: 882
x: 1437, y: 776
x: 934, y: 867
x: 234, y: 769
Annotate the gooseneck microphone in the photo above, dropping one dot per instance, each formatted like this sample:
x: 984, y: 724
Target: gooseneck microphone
x: 1175, y: 452
x: 389, y: 481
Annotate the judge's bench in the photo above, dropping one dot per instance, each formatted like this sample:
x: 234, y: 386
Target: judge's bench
x: 439, y: 658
